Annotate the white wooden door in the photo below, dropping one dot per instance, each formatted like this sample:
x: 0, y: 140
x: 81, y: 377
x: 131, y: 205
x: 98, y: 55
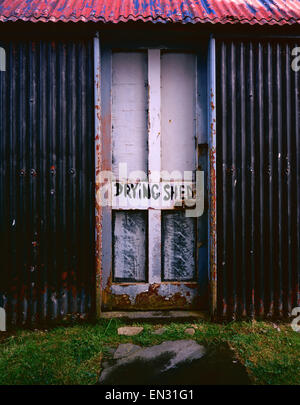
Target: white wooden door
x: 154, y: 145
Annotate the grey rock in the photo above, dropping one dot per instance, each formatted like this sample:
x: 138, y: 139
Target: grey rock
x: 110, y: 351
x: 105, y: 364
x: 181, y: 362
x: 151, y: 362
x: 125, y: 350
x: 160, y: 331
x: 190, y: 331
x: 130, y: 330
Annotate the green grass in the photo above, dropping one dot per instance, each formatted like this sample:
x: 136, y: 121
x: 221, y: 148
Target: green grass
x: 72, y: 354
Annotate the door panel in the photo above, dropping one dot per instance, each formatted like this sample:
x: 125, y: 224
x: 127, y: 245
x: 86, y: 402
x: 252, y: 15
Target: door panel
x: 178, y: 247
x: 178, y: 97
x: 154, y: 263
x: 129, y: 246
x: 129, y: 111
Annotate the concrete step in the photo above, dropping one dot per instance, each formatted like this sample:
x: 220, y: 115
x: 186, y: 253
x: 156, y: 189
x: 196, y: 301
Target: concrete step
x: 156, y: 316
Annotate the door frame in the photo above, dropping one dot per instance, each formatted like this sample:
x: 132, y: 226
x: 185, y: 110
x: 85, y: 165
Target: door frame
x: 103, y: 154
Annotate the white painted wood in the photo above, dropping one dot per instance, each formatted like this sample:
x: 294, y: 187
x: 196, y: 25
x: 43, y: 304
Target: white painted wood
x: 130, y: 154
x: 129, y: 245
x: 129, y: 111
x: 178, y: 111
x: 154, y: 134
x: 154, y: 240
x: 155, y: 195
x: 178, y: 128
x: 169, y: 144
x: 154, y: 126
x: 178, y: 247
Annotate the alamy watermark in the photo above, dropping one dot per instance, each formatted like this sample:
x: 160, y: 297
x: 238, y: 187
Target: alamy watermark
x: 296, y: 61
x: 2, y: 59
x: 295, y: 322
x: 2, y: 320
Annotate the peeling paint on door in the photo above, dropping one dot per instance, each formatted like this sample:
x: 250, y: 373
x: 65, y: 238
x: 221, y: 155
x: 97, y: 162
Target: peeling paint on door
x: 179, y: 242
x: 154, y: 260
x: 129, y: 246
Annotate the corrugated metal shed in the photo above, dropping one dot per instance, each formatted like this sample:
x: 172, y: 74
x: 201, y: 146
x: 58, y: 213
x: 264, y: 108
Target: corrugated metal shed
x: 271, y: 12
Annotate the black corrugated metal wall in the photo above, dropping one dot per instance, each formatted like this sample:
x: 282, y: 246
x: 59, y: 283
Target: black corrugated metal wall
x: 46, y: 180
x: 258, y: 178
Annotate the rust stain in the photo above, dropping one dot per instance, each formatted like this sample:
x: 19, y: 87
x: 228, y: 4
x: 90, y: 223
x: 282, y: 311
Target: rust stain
x: 213, y: 211
x: 106, y: 293
x: 98, y: 214
x: 150, y: 299
x: 120, y: 301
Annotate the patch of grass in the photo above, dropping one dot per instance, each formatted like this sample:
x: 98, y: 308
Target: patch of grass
x: 72, y: 355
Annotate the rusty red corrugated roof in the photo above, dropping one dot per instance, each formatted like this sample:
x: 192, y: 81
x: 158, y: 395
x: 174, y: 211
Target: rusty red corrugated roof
x: 187, y: 11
